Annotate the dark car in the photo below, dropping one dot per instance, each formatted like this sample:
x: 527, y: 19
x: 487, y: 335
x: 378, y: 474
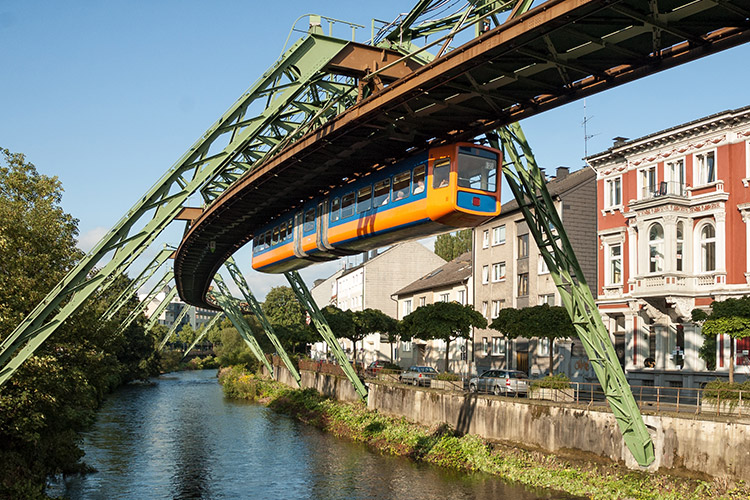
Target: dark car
x: 500, y: 382
x: 418, y: 375
x: 378, y: 365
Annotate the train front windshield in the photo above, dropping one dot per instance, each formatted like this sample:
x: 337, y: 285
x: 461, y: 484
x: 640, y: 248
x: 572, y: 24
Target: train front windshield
x: 477, y: 169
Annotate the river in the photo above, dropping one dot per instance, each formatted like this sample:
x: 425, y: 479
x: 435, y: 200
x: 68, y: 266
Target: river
x: 179, y: 438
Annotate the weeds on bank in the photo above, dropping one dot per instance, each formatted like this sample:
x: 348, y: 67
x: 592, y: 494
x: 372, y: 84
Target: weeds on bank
x: 442, y: 446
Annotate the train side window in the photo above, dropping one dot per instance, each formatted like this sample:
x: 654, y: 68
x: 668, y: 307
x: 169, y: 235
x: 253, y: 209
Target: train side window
x: 289, y: 229
x: 364, y: 199
x: 441, y: 173
x: 382, y: 190
x: 309, y: 221
x: 282, y: 232
x: 347, y: 205
x: 275, y: 238
x: 268, y: 239
x: 335, y: 205
x: 401, y: 184
x: 419, y: 174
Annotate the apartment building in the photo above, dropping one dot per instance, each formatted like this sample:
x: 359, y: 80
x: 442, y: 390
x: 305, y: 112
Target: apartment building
x: 510, y: 272
x: 450, y: 282
x: 674, y: 234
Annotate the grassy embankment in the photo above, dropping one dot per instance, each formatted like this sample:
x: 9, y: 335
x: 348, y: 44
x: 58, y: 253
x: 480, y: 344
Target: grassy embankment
x: 441, y: 446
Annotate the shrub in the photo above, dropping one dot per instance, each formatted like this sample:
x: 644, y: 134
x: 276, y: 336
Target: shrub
x: 719, y: 390
x: 559, y: 381
x: 447, y: 376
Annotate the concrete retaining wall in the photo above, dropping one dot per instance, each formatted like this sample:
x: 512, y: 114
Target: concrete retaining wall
x: 717, y: 449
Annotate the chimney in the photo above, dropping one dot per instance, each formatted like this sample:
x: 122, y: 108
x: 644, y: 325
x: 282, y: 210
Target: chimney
x: 562, y: 173
x: 619, y: 141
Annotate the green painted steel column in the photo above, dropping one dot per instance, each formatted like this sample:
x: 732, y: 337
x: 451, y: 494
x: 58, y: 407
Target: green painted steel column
x: 203, y: 332
x: 231, y: 308
x: 239, y: 279
x: 175, y: 325
x: 530, y: 191
x: 154, y: 318
x: 145, y: 302
x: 305, y: 298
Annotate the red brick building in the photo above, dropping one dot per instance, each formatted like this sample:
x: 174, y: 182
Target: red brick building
x: 673, y: 234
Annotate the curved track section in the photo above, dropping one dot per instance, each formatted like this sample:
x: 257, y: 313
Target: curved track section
x: 561, y: 51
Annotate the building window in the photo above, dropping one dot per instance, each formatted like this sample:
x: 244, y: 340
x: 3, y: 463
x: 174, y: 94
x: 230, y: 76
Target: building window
x: 614, y: 266
x: 708, y: 248
x: 656, y: 248
x: 523, y: 285
x: 462, y: 297
x: 485, y: 345
x: 544, y: 346
x: 484, y: 308
x: 498, y: 271
x: 548, y: 299
x: 405, y: 346
x: 407, y: 307
x: 496, y: 306
x: 445, y: 297
x: 485, y: 274
x: 543, y: 269
x: 648, y: 182
x: 676, y: 172
x: 679, y: 242
x: 523, y: 246
x: 422, y: 301
x: 498, y: 235
x: 498, y: 346
x: 705, y: 164
x: 613, y: 192
x: 486, y: 238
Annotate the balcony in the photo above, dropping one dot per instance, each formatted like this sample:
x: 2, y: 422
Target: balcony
x: 676, y: 283
x: 664, y: 188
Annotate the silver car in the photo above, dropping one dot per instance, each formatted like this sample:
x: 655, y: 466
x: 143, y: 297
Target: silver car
x: 500, y: 382
x: 418, y: 375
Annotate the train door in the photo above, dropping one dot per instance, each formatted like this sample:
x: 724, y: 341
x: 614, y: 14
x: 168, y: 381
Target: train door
x: 323, y: 244
x: 297, y: 235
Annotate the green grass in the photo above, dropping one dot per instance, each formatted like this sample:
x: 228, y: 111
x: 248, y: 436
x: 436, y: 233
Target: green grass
x: 441, y: 446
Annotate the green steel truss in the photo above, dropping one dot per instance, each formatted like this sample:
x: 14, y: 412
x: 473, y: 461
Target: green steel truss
x: 145, y: 302
x: 154, y: 318
x: 296, y: 93
x: 530, y: 191
x: 231, y: 308
x: 206, y: 328
x: 178, y: 320
x: 305, y: 298
x: 241, y: 283
x: 133, y: 287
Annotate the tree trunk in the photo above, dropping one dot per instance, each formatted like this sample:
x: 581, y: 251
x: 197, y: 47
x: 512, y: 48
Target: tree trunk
x: 391, y: 343
x: 354, y: 354
x: 447, y: 352
x: 551, y: 356
x: 731, y: 360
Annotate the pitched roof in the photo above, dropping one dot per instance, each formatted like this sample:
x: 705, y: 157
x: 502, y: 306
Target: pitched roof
x: 556, y: 187
x: 456, y: 271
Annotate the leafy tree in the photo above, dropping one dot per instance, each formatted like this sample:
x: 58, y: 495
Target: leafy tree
x: 451, y: 245
x: 728, y: 317
x: 444, y: 321
x: 544, y: 321
x: 288, y: 318
x: 370, y: 321
x: 341, y: 323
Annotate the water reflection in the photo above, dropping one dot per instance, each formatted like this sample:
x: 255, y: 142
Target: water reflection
x: 179, y: 438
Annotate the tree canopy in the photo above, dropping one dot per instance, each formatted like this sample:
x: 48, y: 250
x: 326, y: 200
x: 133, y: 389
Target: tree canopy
x: 442, y: 321
x: 451, y: 245
x: 727, y: 317
x: 287, y: 316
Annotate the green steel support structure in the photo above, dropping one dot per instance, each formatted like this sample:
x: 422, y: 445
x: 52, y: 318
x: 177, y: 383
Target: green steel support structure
x: 137, y: 283
x: 231, y: 308
x: 145, y: 302
x: 154, y: 319
x: 206, y: 328
x: 176, y: 325
x: 530, y: 191
x: 240, y: 281
x: 305, y: 298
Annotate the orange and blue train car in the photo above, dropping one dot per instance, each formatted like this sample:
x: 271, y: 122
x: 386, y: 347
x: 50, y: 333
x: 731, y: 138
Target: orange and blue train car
x: 443, y: 188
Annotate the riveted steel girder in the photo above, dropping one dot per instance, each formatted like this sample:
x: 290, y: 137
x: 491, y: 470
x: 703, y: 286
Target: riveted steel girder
x: 154, y: 319
x: 239, y: 280
x: 145, y: 302
x: 206, y: 328
x: 530, y: 191
x: 178, y: 320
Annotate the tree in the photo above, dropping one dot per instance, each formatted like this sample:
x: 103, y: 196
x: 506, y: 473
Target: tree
x: 368, y: 322
x: 728, y: 317
x: 451, y: 245
x: 443, y: 321
x: 341, y: 323
x: 544, y: 321
x: 287, y: 316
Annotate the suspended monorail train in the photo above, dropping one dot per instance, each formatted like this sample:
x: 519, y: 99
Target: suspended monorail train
x: 442, y: 188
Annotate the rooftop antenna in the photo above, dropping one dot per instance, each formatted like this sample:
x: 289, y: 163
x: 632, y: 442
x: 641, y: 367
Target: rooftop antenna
x: 586, y: 136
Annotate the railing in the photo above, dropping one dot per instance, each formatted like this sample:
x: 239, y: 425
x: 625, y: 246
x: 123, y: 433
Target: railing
x: 664, y: 188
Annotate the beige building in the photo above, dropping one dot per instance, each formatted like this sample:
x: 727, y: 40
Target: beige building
x: 510, y: 272
x: 450, y: 282
x: 370, y: 285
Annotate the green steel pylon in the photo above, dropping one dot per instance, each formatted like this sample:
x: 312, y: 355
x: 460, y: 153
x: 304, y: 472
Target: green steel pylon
x: 154, y: 318
x: 231, y: 308
x: 178, y: 320
x: 203, y: 332
x: 303, y: 295
x: 298, y: 90
x: 240, y: 281
x: 133, y: 287
x: 145, y: 302
x: 530, y: 191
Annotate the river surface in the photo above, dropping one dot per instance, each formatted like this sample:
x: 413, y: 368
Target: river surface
x: 181, y: 439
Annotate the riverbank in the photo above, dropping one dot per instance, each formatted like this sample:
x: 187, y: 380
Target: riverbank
x: 441, y: 446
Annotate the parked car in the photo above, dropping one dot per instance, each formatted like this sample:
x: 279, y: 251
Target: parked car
x: 500, y: 382
x: 418, y: 375
x: 380, y: 364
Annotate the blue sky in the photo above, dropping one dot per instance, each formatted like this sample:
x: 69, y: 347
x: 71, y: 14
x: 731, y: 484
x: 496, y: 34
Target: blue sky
x: 107, y: 95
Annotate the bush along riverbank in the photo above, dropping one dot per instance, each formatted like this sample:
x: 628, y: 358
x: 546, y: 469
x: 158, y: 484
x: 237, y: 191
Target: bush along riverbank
x: 469, y: 453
